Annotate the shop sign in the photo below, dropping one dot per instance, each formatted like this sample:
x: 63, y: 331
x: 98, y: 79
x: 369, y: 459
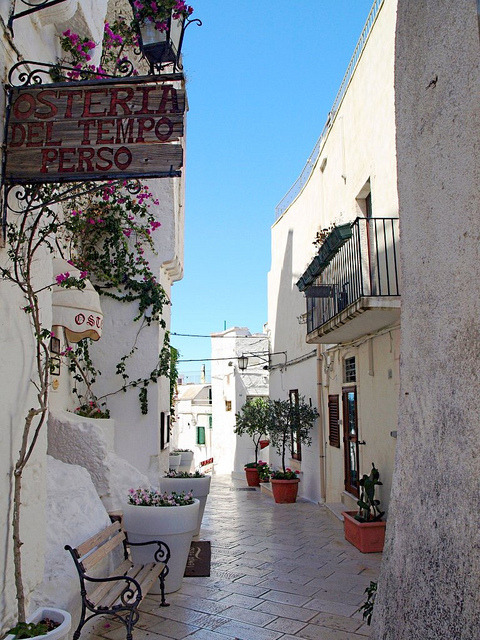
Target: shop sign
x: 129, y: 128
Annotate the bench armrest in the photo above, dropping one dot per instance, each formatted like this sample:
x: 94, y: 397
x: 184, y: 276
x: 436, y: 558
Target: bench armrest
x: 162, y: 554
x: 131, y: 594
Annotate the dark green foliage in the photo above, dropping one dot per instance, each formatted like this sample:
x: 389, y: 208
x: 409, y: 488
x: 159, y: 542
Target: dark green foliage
x: 32, y: 630
x: 289, y: 419
x: 368, y: 505
x: 253, y: 420
x: 367, y: 607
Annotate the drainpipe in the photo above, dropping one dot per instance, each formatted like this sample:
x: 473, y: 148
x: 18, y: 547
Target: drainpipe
x: 321, y: 411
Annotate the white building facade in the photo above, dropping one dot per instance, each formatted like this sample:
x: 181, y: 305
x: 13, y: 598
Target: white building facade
x: 132, y: 446
x: 336, y: 240
x: 193, y: 422
x: 231, y: 388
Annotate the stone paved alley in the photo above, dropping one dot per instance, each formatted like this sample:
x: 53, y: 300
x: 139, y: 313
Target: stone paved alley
x: 279, y: 572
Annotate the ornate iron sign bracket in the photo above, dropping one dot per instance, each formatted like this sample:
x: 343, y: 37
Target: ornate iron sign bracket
x: 33, y: 8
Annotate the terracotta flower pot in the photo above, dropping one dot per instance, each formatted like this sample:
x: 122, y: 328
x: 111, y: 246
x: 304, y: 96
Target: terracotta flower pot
x: 285, y: 491
x: 251, y: 473
x: 368, y: 537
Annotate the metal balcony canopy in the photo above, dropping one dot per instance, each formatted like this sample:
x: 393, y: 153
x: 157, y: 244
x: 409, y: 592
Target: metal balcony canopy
x: 330, y: 247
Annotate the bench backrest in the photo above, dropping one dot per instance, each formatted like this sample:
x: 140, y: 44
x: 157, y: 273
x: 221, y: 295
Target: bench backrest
x: 96, y: 548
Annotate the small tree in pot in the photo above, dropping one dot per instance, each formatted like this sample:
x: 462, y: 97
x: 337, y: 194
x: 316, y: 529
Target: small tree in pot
x: 289, y: 421
x: 253, y: 420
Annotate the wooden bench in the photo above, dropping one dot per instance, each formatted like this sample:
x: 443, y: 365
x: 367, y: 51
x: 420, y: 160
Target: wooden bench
x: 120, y: 593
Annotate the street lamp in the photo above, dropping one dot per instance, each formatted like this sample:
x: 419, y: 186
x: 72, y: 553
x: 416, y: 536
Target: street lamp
x: 162, y: 47
x: 243, y: 359
x: 242, y: 362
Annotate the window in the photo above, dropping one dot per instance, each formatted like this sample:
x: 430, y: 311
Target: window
x: 296, y: 448
x: 210, y: 422
x: 210, y: 395
x: 333, y: 421
x: 350, y: 372
x: 200, y: 435
x: 228, y: 405
x: 164, y: 430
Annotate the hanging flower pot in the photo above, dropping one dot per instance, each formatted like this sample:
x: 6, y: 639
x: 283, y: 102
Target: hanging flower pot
x: 171, y: 518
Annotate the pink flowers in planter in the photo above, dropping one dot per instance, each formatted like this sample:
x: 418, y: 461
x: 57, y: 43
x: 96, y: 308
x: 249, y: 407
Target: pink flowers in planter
x: 153, y: 498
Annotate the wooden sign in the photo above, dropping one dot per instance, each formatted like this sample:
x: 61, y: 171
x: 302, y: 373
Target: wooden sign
x: 129, y: 128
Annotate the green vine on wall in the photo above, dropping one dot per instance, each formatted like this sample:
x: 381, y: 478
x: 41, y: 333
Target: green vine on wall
x: 108, y: 234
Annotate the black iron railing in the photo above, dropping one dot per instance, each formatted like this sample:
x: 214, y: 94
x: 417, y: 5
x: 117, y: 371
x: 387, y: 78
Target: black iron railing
x: 365, y: 266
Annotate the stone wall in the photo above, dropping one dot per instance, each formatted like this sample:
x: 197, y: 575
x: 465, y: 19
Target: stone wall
x: 430, y: 578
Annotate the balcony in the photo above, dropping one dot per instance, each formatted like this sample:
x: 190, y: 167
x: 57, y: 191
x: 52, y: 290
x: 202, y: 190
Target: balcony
x: 352, y: 285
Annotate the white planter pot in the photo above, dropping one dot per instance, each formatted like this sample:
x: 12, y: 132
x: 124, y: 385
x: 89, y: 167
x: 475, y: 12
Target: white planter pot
x: 173, y: 525
x: 57, y: 615
x: 199, y: 486
x: 174, y: 461
x: 186, y: 461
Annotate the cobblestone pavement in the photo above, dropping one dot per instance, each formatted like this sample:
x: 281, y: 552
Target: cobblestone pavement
x: 279, y: 572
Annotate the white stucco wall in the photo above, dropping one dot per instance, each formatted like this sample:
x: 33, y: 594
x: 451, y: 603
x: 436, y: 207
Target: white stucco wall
x: 36, y: 38
x: 358, y: 153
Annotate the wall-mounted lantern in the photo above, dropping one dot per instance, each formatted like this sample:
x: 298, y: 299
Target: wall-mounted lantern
x: 162, y: 46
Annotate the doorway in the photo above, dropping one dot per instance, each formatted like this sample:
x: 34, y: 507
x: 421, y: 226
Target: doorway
x: 350, y: 439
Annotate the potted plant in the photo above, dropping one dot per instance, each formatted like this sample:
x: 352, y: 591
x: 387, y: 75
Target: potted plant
x: 365, y: 529
x: 198, y: 483
x: 53, y: 624
x: 264, y: 471
x: 251, y: 474
x: 289, y: 421
x: 174, y: 459
x: 172, y: 517
x: 285, y: 485
x: 252, y: 420
x: 186, y: 459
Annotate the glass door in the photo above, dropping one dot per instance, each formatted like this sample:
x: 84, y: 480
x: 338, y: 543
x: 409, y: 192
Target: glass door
x: 350, y: 439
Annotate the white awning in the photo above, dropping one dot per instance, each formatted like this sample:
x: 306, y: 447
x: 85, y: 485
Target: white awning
x: 77, y: 310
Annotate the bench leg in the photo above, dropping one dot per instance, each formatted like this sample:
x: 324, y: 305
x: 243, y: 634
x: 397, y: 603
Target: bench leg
x: 161, y: 579
x: 130, y: 622
x: 78, y: 630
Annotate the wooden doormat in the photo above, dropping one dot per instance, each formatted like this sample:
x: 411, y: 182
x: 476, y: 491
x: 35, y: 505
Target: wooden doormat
x: 198, y: 563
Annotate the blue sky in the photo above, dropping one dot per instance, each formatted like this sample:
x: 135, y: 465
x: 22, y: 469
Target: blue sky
x: 260, y: 85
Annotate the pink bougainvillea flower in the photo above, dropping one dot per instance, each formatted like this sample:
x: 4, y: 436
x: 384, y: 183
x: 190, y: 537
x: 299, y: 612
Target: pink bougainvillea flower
x: 62, y: 277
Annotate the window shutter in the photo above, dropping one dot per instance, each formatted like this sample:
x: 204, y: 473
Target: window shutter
x: 333, y: 421
x: 200, y: 435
